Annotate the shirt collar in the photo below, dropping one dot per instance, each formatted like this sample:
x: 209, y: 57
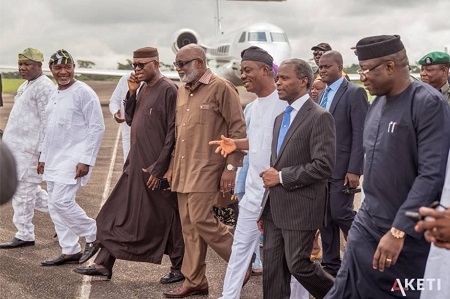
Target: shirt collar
x: 204, y: 79
x: 336, y: 84
x: 298, y: 103
x: 444, y: 89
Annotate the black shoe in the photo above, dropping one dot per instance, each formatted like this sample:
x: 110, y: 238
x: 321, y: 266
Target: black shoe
x: 16, y: 243
x: 92, y: 271
x: 90, y: 249
x: 171, y: 277
x: 63, y: 259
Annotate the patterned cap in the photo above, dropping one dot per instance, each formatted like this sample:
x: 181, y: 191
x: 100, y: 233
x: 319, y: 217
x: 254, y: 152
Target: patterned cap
x: 31, y: 54
x: 435, y: 58
x: 61, y: 57
x: 255, y: 53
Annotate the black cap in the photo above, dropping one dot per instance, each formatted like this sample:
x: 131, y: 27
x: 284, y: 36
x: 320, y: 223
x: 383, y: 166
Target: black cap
x: 378, y: 46
x: 322, y: 47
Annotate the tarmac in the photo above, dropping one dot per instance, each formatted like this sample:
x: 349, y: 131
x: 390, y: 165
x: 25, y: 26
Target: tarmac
x: 22, y: 276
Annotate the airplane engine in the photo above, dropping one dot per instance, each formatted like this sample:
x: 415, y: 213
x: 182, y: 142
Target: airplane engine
x: 184, y: 37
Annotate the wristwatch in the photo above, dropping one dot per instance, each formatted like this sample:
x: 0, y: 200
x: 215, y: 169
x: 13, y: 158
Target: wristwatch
x: 231, y: 167
x: 396, y: 233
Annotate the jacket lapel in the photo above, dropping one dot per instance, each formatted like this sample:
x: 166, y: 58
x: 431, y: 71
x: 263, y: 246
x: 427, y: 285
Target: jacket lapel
x: 338, y: 95
x: 301, y: 116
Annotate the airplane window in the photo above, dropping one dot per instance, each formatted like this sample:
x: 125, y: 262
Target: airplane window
x: 257, y: 37
x: 242, y: 38
x: 278, y: 37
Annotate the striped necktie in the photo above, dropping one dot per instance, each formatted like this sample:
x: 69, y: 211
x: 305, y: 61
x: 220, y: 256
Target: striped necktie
x: 284, y: 126
x: 324, y: 101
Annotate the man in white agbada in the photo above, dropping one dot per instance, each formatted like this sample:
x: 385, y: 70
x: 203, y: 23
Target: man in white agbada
x: 74, y: 132
x: 257, y: 75
x: 23, y: 135
x: 117, y: 110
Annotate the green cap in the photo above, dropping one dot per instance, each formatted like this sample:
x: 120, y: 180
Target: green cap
x: 31, y: 54
x: 435, y: 58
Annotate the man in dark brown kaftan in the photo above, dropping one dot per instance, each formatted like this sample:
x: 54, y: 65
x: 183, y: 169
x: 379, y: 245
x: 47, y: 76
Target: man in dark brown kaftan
x: 138, y: 222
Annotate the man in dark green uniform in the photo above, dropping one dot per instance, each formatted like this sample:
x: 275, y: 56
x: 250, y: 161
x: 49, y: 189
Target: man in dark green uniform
x: 434, y: 71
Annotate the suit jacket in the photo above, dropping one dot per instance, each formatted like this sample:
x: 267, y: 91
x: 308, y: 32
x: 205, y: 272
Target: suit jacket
x: 349, y: 109
x: 306, y: 160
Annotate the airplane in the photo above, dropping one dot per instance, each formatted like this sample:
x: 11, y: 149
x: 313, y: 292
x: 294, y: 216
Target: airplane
x: 224, y: 52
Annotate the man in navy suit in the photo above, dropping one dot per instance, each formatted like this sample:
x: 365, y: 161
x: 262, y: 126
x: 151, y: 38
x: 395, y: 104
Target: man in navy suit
x: 294, y: 204
x: 348, y: 104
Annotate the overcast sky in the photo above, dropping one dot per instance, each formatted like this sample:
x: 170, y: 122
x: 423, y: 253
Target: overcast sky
x: 107, y: 31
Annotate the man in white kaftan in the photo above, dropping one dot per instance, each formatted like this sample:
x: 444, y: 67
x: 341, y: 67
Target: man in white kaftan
x: 23, y: 134
x: 117, y: 110
x: 74, y: 132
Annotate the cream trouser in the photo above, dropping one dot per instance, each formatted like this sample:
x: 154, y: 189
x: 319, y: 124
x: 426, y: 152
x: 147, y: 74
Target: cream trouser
x: 28, y: 197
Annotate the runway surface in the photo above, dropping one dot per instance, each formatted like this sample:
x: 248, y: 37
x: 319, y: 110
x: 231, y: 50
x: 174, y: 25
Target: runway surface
x: 21, y: 275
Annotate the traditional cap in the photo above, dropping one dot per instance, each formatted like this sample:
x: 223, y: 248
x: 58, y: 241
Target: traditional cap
x: 435, y: 58
x: 322, y: 47
x: 61, y: 57
x: 275, y: 69
x: 31, y: 54
x: 254, y: 53
x: 147, y: 52
x: 378, y: 46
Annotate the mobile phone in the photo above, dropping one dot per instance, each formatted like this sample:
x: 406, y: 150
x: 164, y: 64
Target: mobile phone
x: 350, y: 190
x: 163, y: 184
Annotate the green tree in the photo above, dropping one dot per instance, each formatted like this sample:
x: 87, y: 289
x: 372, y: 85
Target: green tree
x: 86, y: 64
x: 125, y: 66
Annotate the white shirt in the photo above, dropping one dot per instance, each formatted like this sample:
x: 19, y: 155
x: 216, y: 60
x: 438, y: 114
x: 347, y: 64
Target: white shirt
x: 24, y: 131
x: 333, y: 89
x: 74, y: 132
x: 118, y: 96
x: 259, y: 133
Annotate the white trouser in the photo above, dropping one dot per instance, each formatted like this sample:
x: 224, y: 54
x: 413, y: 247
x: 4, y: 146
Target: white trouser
x: 245, y: 239
x: 126, y: 132
x: 297, y: 290
x: 71, y: 221
x: 28, y: 196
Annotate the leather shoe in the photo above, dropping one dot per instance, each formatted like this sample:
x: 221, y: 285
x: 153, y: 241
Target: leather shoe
x: 183, y: 292
x: 90, y: 249
x: 171, y: 277
x: 63, y: 259
x: 16, y: 243
x: 92, y: 271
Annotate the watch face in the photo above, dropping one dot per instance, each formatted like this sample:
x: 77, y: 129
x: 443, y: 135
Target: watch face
x: 230, y: 167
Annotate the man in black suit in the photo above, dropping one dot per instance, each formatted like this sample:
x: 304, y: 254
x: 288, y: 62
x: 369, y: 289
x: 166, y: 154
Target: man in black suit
x: 294, y: 204
x: 348, y: 104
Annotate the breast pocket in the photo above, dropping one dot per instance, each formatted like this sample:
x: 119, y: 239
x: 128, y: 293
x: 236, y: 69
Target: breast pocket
x: 206, y: 113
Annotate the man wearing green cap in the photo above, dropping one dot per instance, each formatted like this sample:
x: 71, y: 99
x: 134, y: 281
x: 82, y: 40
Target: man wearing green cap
x: 434, y: 71
x: 72, y: 140
x: 24, y: 133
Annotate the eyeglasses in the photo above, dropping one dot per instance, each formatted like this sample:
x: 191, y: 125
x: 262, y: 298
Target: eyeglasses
x: 140, y: 65
x: 316, y: 53
x: 363, y: 74
x: 181, y: 64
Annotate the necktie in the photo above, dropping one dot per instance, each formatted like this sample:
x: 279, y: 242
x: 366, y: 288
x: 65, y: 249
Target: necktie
x: 284, y: 126
x: 324, y: 101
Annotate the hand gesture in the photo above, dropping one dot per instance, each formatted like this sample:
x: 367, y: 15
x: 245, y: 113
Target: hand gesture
x: 225, y: 146
x: 133, y: 83
x: 118, y: 117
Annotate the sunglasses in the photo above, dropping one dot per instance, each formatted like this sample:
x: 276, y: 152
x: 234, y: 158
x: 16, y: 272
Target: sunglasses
x: 181, y: 64
x: 140, y: 65
x: 315, y: 53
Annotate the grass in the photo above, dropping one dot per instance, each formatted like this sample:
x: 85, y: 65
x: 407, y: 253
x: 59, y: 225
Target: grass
x: 11, y: 85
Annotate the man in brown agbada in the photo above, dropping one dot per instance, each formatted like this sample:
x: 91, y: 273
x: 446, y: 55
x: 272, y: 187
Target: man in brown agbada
x: 207, y: 107
x: 138, y: 222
